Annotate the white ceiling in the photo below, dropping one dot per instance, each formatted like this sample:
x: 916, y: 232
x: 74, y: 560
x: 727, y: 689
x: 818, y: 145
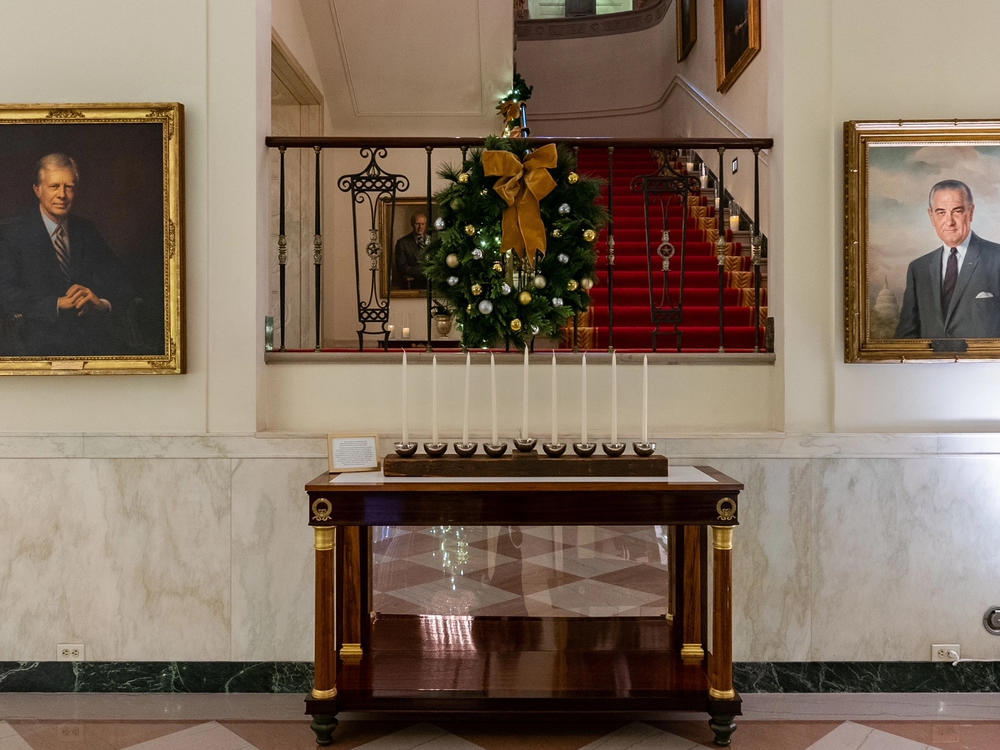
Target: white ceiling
x: 433, y: 62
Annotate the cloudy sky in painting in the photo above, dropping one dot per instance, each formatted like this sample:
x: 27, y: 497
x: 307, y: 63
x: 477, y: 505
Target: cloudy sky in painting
x: 899, y: 179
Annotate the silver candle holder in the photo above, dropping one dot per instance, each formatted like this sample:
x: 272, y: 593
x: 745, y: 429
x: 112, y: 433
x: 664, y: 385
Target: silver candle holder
x: 405, y: 449
x: 643, y: 448
x: 435, y: 450
x: 584, y: 450
x: 613, y: 449
x: 525, y: 445
x: 465, y: 449
x: 495, y: 450
x: 554, y: 450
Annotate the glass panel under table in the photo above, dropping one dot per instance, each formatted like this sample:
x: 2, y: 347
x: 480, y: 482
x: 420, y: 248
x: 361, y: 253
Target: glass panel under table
x: 522, y: 571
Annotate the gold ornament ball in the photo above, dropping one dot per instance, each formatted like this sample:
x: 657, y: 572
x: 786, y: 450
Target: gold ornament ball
x: 589, y: 235
x: 463, y: 177
x: 477, y: 289
x: 556, y: 233
x: 515, y: 325
x: 587, y: 283
x: 572, y: 178
x: 451, y: 260
x: 468, y: 309
x: 470, y: 230
x: 571, y: 285
x: 524, y: 298
x: 498, y: 267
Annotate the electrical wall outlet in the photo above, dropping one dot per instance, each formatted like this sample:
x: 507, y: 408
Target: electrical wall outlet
x: 942, y: 651
x: 69, y: 652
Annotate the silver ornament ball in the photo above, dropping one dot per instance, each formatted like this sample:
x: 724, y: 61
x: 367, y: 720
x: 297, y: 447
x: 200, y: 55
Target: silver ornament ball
x: 505, y: 288
x: 452, y: 280
x: 563, y: 258
x: 439, y: 223
x: 557, y: 302
x: 477, y: 254
x: 485, y: 307
x: 564, y: 209
x: 539, y: 282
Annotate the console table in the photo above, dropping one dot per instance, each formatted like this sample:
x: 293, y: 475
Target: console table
x: 366, y: 661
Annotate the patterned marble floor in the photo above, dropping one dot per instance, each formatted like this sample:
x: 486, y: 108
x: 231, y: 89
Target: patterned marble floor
x: 167, y: 722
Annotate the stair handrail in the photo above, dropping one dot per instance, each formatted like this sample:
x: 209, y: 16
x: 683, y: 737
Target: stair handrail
x: 463, y: 143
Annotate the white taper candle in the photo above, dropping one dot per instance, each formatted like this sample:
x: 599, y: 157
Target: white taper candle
x: 465, y: 403
x: 583, y: 399
x: 493, y: 397
x: 434, y: 399
x: 406, y: 435
x: 645, y: 400
x: 524, y: 396
x: 555, y: 419
x: 614, y: 397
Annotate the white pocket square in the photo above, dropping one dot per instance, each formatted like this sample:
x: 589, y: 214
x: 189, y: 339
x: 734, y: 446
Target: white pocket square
x: 984, y: 295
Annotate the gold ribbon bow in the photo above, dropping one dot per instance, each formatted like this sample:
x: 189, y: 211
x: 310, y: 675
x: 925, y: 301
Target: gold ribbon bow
x: 522, y: 185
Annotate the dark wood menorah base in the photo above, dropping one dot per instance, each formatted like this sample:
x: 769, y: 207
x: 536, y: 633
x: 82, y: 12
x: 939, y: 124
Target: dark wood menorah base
x: 524, y: 465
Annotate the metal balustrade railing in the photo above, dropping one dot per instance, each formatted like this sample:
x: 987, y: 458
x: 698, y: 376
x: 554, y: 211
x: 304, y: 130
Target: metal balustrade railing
x: 373, y: 183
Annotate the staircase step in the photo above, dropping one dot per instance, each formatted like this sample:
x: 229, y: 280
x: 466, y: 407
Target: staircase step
x: 694, y: 338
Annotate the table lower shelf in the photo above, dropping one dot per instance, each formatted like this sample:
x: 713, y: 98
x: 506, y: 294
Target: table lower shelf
x: 458, y: 664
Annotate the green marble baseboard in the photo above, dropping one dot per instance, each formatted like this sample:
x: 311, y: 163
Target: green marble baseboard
x: 296, y: 677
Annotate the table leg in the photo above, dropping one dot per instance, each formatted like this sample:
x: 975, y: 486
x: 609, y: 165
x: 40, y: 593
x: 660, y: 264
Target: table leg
x: 723, y: 703
x: 352, y: 583
x: 325, y: 669
x: 693, y: 603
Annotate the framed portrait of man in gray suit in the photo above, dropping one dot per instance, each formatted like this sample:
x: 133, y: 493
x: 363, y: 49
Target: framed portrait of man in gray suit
x: 91, y: 239
x: 405, y: 229
x: 921, y: 240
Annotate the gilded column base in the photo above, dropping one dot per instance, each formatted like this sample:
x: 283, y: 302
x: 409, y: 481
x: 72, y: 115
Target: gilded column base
x: 721, y: 694
x: 692, y: 653
x: 351, y: 652
x: 324, y: 694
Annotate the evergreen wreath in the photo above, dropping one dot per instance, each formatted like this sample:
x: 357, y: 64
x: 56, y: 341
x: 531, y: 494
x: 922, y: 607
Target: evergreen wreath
x: 496, y: 295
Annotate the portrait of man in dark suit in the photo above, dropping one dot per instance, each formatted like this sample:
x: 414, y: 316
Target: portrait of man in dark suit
x: 408, y: 255
x: 954, y: 290
x: 63, y: 292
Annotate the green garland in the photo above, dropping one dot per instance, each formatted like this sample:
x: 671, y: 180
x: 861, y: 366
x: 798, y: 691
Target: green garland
x: 467, y: 266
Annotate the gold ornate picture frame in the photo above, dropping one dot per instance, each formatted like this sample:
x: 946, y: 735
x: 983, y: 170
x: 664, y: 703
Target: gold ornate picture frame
x: 394, y: 219
x: 737, y: 39
x: 91, y: 239
x: 687, y: 26
x: 894, y: 257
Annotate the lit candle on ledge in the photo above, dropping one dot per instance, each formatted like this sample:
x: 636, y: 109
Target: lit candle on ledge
x: 406, y: 332
x: 493, y: 398
x: 465, y: 406
x: 734, y: 223
x: 524, y: 396
x: 583, y: 399
x: 555, y: 421
x: 690, y: 166
x: 405, y: 436
x: 434, y: 399
x: 614, y: 397
x: 704, y: 181
x: 645, y: 400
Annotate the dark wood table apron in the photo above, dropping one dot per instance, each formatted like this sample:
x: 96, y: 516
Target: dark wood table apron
x: 366, y: 661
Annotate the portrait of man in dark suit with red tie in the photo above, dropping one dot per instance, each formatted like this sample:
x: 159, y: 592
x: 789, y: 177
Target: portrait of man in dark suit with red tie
x: 954, y: 290
x: 64, y: 289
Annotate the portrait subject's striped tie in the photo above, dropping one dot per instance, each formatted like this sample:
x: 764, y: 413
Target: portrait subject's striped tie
x: 61, y: 244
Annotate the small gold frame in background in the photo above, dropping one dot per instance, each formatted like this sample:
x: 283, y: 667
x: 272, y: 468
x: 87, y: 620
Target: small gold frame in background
x: 737, y: 39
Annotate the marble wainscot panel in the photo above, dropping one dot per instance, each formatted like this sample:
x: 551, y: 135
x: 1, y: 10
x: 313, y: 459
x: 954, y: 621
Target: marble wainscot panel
x: 905, y: 554
x: 273, y: 559
x: 129, y: 557
x: 771, y: 560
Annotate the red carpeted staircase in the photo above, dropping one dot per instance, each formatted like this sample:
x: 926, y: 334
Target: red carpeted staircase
x: 633, y: 323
